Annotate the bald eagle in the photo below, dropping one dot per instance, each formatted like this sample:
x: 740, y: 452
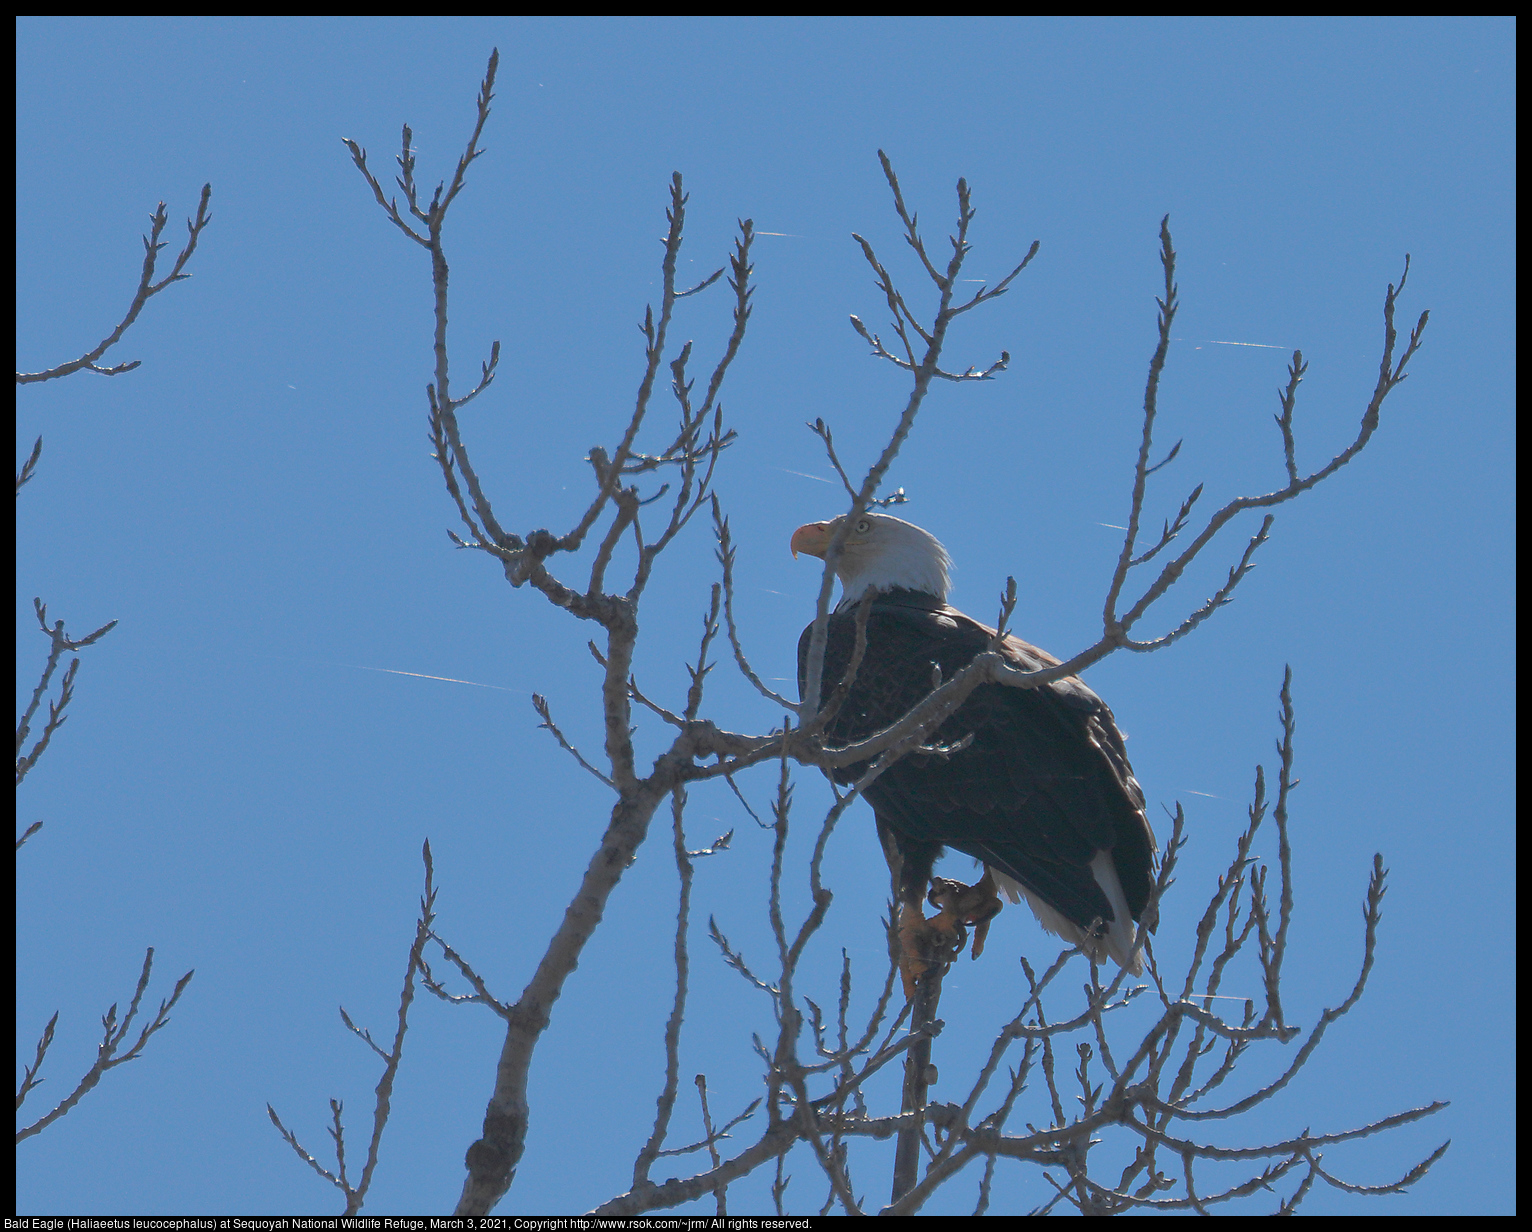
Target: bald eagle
x: 1042, y: 796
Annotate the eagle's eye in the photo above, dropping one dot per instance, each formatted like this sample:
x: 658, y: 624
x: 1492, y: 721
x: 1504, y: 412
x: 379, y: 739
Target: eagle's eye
x: 863, y: 526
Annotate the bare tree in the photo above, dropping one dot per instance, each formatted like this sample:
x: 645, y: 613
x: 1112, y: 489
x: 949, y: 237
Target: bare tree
x: 115, y: 1031
x: 821, y: 1070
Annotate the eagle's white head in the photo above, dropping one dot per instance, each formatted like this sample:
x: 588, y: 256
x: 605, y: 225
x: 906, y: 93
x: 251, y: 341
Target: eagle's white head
x: 882, y: 552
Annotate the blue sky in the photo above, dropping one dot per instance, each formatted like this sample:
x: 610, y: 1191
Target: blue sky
x: 245, y: 779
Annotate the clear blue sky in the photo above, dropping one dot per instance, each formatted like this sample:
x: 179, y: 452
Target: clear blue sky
x: 240, y: 786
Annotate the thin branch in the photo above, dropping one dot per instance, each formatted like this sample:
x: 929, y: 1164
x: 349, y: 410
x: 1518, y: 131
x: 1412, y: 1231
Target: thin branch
x: 29, y: 466
x: 1391, y: 374
x: 725, y: 555
x: 665, y: 1104
x: 385, y: 1088
x: 147, y: 288
x: 114, y: 1033
x: 356, y: 1194
x: 56, y: 716
x: 655, y: 332
x: 736, y: 959
x: 292, y: 1140
x: 721, y: 1190
x: 481, y: 994
x: 29, y: 1077
x: 540, y: 704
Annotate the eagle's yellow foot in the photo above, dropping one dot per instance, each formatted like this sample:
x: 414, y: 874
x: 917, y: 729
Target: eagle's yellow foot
x: 926, y: 944
x: 974, y: 905
x: 935, y: 941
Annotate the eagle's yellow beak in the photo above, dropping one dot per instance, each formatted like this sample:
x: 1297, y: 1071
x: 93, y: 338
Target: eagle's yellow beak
x: 813, y: 539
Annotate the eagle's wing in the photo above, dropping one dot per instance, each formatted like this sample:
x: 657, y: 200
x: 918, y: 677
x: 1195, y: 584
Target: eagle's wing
x: 1041, y: 791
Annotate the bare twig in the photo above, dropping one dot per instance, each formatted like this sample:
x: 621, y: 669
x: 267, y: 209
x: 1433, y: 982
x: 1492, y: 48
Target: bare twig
x: 540, y: 704
x: 108, y: 1057
x: 147, y: 288
x: 356, y: 1194
x: 29, y: 466
x: 56, y: 716
x: 667, y: 1098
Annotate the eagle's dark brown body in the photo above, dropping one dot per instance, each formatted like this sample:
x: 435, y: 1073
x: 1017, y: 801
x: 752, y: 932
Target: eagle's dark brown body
x: 1043, y: 789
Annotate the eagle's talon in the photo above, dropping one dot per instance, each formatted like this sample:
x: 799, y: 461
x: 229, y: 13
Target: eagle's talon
x: 927, y: 943
x: 974, y: 905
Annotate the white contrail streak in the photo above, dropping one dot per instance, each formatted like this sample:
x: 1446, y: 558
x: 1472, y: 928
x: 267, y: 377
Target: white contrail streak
x: 423, y: 676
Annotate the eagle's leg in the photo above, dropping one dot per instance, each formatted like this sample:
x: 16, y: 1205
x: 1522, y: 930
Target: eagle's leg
x: 922, y: 948
x: 975, y: 905
x: 926, y: 944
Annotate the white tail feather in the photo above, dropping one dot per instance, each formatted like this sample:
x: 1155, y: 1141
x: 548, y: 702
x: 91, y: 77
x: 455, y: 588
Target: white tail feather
x: 1121, y: 933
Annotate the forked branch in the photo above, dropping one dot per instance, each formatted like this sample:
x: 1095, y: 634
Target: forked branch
x: 147, y: 289
x: 114, y: 1034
